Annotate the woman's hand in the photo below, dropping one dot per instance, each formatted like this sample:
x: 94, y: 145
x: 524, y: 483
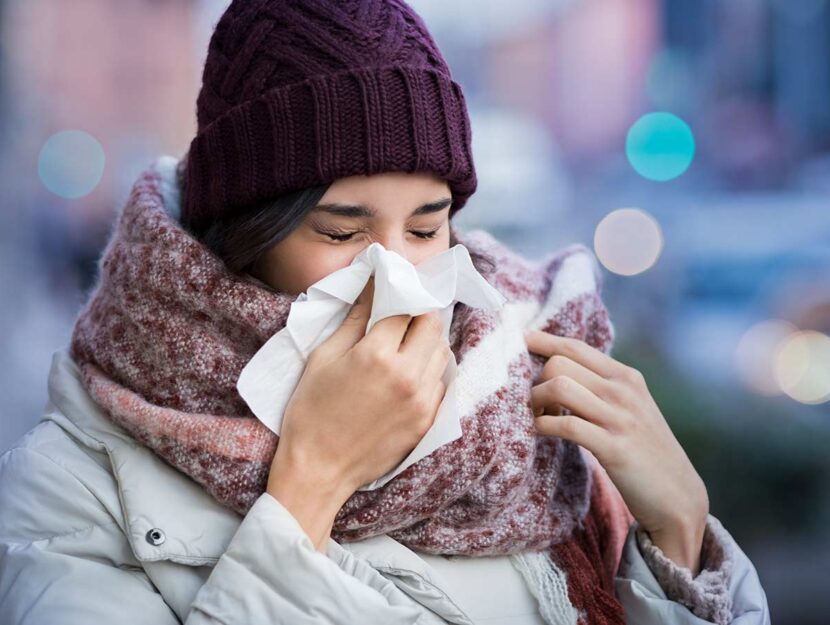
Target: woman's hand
x: 616, y: 419
x: 363, y: 403
x: 365, y: 400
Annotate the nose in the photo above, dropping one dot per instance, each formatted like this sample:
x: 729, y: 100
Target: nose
x: 394, y: 243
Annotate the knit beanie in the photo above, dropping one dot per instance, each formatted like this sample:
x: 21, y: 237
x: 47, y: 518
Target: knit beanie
x: 297, y: 93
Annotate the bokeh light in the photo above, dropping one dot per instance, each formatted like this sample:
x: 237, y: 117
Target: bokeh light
x: 71, y: 163
x: 660, y: 146
x: 803, y: 366
x: 755, y: 355
x: 628, y: 241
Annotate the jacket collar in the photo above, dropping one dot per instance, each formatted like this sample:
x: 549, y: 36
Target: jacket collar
x: 197, y: 528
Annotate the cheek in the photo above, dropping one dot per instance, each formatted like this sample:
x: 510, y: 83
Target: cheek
x: 293, y: 266
x: 438, y: 246
x: 321, y: 263
x: 296, y: 266
x: 311, y: 262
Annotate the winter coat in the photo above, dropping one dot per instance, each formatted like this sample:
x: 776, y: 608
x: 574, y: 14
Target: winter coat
x: 95, y: 528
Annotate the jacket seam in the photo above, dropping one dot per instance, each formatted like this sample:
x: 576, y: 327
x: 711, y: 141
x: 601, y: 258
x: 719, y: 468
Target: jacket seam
x: 64, y: 535
x: 397, y: 571
x: 79, y: 481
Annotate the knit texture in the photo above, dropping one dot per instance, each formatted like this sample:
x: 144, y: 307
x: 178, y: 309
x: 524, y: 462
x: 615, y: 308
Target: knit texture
x: 549, y: 585
x: 167, y: 330
x: 706, y: 594
x: 297, y: 93
x: 563, y: 579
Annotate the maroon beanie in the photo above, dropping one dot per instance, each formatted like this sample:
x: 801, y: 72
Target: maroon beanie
x: 297, y: 93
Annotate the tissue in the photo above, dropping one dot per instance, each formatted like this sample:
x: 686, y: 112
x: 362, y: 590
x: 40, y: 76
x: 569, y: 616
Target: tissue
x: 268, y: 380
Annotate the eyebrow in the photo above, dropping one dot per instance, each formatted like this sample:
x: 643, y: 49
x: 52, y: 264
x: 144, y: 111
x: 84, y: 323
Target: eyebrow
x: 359, y: 210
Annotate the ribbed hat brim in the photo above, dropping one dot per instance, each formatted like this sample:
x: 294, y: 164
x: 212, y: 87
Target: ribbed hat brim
x: 357, y: 121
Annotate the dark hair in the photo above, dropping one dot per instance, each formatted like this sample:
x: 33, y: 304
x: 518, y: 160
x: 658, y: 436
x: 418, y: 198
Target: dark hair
x: 240, y: 240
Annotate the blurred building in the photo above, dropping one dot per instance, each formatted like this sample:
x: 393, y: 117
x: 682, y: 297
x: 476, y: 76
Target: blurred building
x: 553, y: 88
x: 125, y: 72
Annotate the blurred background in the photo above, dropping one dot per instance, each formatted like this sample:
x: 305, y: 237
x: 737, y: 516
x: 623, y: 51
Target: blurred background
x: 687, y: 143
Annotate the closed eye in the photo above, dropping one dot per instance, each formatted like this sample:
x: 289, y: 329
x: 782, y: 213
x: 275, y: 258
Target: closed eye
x: 346, y: 236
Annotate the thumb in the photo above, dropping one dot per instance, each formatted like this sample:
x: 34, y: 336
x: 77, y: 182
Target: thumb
x: 367, y: 293
x: 353, y: 327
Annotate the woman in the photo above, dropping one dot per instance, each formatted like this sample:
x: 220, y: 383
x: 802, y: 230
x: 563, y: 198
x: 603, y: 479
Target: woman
x: 150, y: 494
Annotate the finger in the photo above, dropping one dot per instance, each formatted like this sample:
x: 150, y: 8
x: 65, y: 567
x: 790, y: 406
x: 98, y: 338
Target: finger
x: 386, y: 334
x: 368, y: 293
x: 568, y: 393
x: 570, y: 427
x: 559, y: 364
x: 353, y: 327
x: 437, y: 397
x: 555, y: 410
x: 547, y: 344
x: 435, y: 366
x: 422, y: 338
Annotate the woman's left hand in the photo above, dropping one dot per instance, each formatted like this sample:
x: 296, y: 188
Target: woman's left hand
x: 616, y: 419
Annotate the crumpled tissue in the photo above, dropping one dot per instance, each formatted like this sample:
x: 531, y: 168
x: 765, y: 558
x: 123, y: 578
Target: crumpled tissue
x: 268, y: 380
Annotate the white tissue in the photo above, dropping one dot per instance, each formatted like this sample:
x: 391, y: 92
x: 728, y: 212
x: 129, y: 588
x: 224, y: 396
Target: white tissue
x: 270, y: 377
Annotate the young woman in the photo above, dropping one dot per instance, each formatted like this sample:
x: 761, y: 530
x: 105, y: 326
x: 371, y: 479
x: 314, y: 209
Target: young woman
x: 149, y: 493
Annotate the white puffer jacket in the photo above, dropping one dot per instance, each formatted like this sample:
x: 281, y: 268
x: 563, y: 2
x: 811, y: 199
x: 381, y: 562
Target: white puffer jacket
x: 95, y: 528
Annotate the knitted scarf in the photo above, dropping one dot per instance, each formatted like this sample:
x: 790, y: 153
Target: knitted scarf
x: 167, y: 328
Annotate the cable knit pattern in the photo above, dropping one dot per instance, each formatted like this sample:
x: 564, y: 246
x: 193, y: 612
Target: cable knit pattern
x: 707, y: 594
x: 297, y: 93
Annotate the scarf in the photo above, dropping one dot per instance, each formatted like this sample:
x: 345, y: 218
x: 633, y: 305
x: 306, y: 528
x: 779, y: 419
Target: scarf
x: 167, y: 329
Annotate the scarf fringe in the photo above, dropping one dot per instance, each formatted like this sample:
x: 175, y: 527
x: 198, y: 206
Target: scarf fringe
x: 549, y: 584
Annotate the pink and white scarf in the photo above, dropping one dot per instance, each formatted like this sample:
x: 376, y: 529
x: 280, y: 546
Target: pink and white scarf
x: 167, y: 330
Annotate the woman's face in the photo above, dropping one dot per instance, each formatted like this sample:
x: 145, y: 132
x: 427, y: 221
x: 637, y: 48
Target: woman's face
x: 407, y: 213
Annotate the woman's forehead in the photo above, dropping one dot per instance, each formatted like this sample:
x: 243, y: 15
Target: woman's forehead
x: 381, y: 192
x: 389, y: 182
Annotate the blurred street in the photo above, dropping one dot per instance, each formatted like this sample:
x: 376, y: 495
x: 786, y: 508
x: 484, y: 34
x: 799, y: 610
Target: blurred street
x: 686, y: 143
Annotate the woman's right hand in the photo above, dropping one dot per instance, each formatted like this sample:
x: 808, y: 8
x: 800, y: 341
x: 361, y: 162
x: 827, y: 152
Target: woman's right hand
x: 364, y: 402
